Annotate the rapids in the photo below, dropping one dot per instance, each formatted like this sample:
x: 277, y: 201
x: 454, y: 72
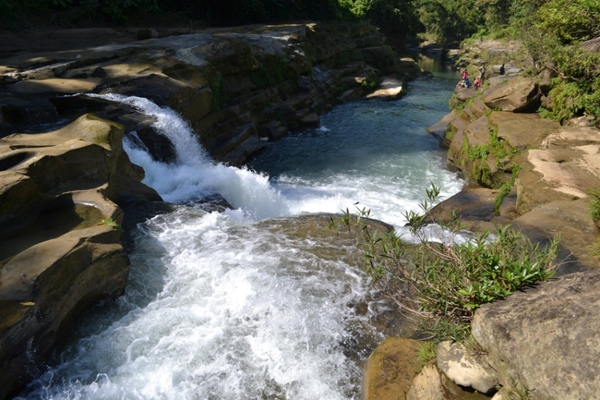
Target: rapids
x: 251, y: 303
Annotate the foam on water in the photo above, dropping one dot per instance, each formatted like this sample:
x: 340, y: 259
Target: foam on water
x: 220, y: 307
x: 223, y: 310
x: 194, y: 175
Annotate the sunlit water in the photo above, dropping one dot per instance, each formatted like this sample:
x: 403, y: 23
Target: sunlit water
x: 236, y: 305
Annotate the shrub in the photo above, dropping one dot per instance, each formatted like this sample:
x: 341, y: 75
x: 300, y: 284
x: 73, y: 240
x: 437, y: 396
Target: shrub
x: 446, y: 282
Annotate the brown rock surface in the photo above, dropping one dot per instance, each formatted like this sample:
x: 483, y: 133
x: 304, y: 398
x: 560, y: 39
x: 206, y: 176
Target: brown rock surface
x: 522, y: 130
x: 547, y: 337
x: 60, y: 246
x: 517, y: 95
x: 391, y: 368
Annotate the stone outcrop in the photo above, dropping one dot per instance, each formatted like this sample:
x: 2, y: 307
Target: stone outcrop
x: 390, y: 89
x: 550, y: 167
x: 60, y: 247
x: 517, y: 95
x: 542, y: 340
x: 464, y: 369
x: 391, y: 368
x: 432, y: 384
x: 547, y: 337
x: 238, y: 89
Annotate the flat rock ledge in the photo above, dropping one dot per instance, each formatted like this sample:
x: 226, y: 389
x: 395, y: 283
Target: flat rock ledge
x: 60, y: 240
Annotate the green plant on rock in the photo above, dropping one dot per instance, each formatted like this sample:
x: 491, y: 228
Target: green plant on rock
x: 372, y: 81
x: 427, y: 353
x: 505, y: 189
x: 111, y: 222
x: 595, y: 203
x: 446, y: 282
x: 217, y: 87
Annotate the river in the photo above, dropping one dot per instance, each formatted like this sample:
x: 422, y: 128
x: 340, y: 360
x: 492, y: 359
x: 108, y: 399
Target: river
x: 237, y: 304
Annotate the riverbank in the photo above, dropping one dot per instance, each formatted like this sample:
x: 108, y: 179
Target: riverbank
x: 537, y: 176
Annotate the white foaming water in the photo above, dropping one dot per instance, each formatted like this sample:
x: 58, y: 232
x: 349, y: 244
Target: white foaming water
x: 194, y: 175
x: 220, y: 307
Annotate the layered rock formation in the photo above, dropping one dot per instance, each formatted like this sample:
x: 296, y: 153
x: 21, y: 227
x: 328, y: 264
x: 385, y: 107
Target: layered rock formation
x: 536, y: 175
x: 60, y: 247
x: 530, y: 172
x: 237, y: 88
x: 62, y: 193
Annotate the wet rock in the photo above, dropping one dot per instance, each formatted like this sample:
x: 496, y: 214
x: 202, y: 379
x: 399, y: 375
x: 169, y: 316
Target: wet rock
x: 311, y: 119
x: 546, y: 337
x: 389, y: 89
x: 391, y: 368
x: 144, y: 34
x: 17, y: 113
x: 273, y: 130
x: 473, y: 206
x: 351, y: 94
x: 518, y: 95
x: 464, y: 369
x: 439, y: 129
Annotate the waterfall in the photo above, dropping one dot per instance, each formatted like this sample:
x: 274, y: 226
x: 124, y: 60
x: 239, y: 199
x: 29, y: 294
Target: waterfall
x: 194, y: 175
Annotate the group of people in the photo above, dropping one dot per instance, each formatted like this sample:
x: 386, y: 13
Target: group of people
x: 477, y: 83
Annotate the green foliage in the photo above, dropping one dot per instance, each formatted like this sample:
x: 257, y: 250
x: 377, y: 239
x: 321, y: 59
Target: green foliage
x: 447, y: 282
x: 111, y: 222
x: 397, y: 19
x: 372, y: 81
x: 274, y: 70
x: 217, y: 88
x: 569, y: 20
x: 450, y: 20
x: 595, y: 204
x: 505, y: 189
x: 427, y: 353
x: 478, y: 152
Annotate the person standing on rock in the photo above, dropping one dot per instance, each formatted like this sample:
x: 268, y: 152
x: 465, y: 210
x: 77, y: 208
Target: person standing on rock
x: 482, y: 73
x: 502, y: 69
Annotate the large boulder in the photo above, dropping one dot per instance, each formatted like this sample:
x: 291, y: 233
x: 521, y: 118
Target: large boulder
x: 547, y: 337
x: 517, y: 95
x: 570, y: 221
x: 60, y: 240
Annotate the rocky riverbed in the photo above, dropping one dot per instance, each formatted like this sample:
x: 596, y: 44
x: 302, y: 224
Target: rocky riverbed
x: 535, y: 175
x: 63, y: 193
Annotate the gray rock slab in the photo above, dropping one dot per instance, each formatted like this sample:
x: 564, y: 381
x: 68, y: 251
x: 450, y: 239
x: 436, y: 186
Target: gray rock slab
x: 547, y: 337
